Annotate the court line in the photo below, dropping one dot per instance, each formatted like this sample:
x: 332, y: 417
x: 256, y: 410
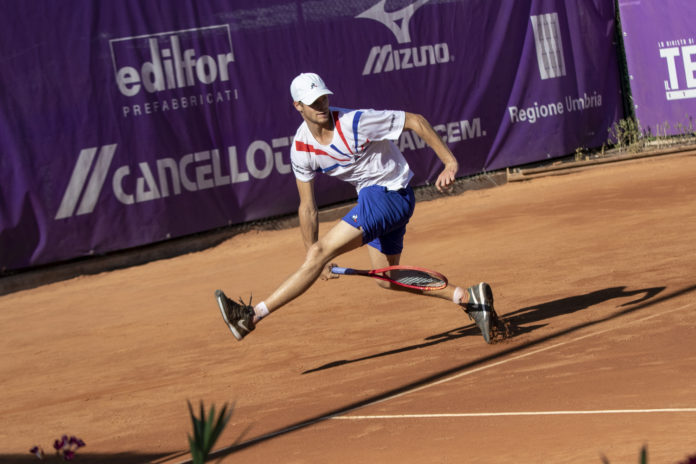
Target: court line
x: 514, y: 358
x: 522, y: 413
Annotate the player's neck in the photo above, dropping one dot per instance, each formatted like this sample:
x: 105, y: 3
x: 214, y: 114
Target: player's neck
x: 322, y: 132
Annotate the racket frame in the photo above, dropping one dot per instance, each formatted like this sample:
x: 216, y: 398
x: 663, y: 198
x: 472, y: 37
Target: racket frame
x: 380, y: 274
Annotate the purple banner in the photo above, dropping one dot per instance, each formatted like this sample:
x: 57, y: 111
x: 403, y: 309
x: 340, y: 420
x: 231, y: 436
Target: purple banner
x: 127, y: 123
x: 660, y: 41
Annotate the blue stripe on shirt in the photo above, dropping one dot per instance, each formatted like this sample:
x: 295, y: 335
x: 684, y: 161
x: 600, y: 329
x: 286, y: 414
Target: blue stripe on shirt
x: 356, y: 120
x: 329, y: 168
x: 339, y: 151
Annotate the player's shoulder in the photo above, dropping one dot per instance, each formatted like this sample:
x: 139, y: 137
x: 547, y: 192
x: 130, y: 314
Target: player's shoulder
x: 357, y: 117
x: 340, y: 110
x: 373, y: 114
x: 300, y: 138
x: 302, y: 132
x: 344, y: 113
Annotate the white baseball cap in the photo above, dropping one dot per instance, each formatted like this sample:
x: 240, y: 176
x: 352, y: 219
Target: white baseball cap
x: 307, y: 87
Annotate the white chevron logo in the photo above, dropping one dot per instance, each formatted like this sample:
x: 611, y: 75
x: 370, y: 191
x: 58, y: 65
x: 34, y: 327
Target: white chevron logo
x: 78, y: 179
x: 391, y: 19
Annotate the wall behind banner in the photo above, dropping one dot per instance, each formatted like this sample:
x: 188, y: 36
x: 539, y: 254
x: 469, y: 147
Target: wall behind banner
x: 660, y: 40
x: 127, y: 123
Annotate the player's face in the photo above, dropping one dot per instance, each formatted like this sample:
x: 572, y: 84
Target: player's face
x: 317, y: 112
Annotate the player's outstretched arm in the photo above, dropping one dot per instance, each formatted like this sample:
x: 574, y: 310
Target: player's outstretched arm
x: 425, y: 131
x: 307, y: 213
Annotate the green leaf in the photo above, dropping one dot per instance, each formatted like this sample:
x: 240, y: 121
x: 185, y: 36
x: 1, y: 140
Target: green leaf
x: 220, y: 424
x: 207, y: 445
x: 196, y: 454
x: 206, y: 430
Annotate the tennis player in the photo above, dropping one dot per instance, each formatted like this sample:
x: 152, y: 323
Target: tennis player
x: 357, y: 147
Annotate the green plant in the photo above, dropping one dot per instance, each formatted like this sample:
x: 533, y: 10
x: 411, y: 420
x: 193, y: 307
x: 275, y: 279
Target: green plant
x: 579, y: 154
x: 206, y: 430
x: 643, y: 457
x: 626, y: 134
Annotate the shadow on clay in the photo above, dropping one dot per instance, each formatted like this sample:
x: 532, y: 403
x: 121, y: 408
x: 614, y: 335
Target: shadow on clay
x: 518, y: 322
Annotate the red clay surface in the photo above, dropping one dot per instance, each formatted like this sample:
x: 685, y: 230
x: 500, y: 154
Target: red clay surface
x: 596, y: 269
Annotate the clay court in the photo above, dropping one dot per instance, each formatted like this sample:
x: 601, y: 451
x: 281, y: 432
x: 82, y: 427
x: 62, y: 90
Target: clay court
x: 594, y: 267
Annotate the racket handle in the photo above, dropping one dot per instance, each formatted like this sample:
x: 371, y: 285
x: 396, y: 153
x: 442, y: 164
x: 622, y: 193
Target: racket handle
x: 341, y: 270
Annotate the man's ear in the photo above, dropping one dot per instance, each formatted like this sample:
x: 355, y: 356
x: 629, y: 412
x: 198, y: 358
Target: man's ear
x: 299, y: 106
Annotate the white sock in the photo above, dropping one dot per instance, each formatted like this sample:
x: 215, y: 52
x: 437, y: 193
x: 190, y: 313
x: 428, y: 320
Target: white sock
x: 458, y: 295
x: 261, y: 310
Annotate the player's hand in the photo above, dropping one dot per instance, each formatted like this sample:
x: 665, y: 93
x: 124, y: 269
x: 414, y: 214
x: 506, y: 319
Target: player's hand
x: 326, y: 273
x: 446, y: 178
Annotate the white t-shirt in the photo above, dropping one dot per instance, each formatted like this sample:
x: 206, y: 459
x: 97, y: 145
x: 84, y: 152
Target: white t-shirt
x: 362, y: 151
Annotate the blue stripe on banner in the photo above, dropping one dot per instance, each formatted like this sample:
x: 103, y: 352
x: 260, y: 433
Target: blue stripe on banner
x: 356, y: 120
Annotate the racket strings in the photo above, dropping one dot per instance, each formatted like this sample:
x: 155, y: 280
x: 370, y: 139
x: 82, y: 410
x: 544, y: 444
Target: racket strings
x: 417, y: 278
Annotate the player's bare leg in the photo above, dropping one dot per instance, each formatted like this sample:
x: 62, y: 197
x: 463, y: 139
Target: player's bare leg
x: 242, y: 318
x: 340, y: 239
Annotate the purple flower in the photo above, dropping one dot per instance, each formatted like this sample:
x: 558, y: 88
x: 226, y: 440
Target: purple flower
x: 59, y: 443
x: 77, y: 442
x: 38, y: 452
x: 65, y: 446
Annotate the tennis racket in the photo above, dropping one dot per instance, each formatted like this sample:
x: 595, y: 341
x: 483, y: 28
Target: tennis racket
x: 405, y: 276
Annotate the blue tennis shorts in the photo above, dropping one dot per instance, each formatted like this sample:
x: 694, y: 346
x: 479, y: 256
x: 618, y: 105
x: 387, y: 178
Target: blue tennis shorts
x: 382, y: 215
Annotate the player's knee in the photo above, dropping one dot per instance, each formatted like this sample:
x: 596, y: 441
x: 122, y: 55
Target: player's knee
x: 315, y: 254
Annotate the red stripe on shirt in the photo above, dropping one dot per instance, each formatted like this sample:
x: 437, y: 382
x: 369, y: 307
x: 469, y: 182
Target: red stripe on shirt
x: 301, y: 146
x: 337, y: 123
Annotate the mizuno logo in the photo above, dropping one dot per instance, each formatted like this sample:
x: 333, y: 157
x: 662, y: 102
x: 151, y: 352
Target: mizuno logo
x: 81, y: 177
x: 396, y: 21
x: 384, y: 58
